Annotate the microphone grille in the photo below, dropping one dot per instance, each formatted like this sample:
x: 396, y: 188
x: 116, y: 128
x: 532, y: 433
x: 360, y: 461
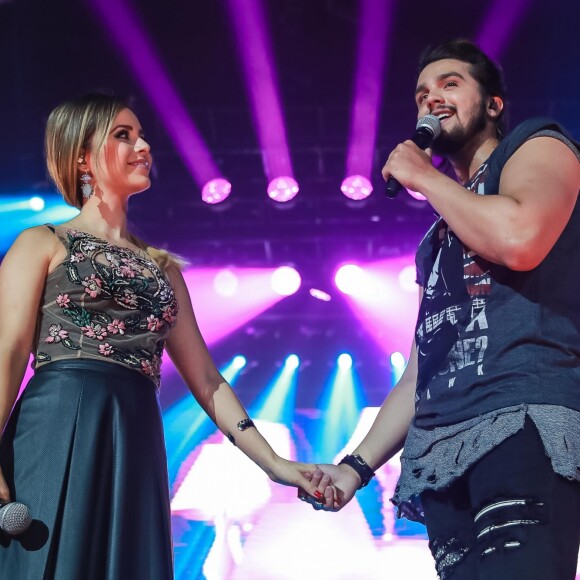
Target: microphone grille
x: 430, y: 122
x: 14, y: 518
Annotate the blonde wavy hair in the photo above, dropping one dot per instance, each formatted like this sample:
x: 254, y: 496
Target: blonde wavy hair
x: 72, y: 129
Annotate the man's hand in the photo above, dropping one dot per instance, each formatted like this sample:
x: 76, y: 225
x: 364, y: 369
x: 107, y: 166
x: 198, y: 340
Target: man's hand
x: 408, y: 165
x: 338, y: 483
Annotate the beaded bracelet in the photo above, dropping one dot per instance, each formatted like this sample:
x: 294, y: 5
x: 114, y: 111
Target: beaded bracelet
x: 360, y: 466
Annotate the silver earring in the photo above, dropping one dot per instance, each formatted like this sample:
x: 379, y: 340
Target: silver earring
x: 86, y: 188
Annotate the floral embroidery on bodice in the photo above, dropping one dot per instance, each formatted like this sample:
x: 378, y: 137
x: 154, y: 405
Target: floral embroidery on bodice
x: 106, y: 302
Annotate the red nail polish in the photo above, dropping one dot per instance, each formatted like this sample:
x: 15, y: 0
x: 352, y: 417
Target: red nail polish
x: 318, y: 495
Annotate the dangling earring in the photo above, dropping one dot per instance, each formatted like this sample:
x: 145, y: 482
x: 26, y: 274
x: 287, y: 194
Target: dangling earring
x: 86, y: 188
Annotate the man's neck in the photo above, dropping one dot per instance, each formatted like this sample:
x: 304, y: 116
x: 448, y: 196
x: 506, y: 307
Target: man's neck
x: 467, y: 161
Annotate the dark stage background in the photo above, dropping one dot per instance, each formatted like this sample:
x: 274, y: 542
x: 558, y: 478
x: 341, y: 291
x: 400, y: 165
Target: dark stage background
x: 181, y: 64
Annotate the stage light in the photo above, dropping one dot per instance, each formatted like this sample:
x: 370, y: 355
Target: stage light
x: 350, y: 279
x: 226, y: 283
x: 356, y: 187
x: 344, y: 361
x: 416, y: 195
x: 124, y: 27
x: 36, y: 203
x: 292, y: 361
x: 407, y: 277
x: 216, y: 190
x: 285, y: 281
x: 252, y: 33
x: 239, y: 361
x: 398, y: 364
x: 320, y: 295
x: 277, y: 401
x: 282, y: 189
x: 398, y: 360
x: 375, y: 19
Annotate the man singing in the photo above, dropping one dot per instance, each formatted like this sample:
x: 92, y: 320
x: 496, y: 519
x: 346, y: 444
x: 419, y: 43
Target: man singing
x: 488, y: 408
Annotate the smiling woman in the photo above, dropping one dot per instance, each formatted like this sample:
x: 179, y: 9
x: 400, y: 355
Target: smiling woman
x: 83, y: 448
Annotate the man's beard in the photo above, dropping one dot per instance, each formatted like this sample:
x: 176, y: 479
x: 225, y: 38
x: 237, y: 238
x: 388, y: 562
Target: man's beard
x: 450, y: 143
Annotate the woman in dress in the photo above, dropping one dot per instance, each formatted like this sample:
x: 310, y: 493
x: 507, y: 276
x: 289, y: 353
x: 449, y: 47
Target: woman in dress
x: 83, y: 448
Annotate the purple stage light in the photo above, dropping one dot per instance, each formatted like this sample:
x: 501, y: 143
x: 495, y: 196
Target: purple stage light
x: 386, y: 310
x: 218, y: 316
x: 350, y: 279
x: 285, y: 281
x: 356, y: 187
x: 123, y: 25
x: 216, y: 190
x: 498, y: 25
x: 373, y: 34
x: 407, y: 278
x: 255, y: 50
x: 320, y: 295
x: 226, y: 283
x: 282, y: 189
x: 416, y: 195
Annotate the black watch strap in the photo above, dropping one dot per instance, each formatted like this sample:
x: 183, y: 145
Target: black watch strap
x: 360, y: 466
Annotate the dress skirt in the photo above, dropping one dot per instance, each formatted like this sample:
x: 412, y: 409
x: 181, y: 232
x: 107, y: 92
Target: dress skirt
x: 84, y: 450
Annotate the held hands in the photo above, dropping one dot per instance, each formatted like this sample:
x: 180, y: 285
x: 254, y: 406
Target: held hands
x: 338, y: 483
x: 298, y: 475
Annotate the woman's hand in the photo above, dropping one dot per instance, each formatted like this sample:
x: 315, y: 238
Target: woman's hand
x: 337, y: 494
x: 296, y: 474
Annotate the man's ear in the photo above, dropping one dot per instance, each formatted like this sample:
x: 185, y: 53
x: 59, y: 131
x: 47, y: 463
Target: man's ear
x: 495, y: 106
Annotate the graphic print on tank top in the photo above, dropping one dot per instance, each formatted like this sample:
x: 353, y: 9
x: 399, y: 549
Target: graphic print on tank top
x: 452, y: 329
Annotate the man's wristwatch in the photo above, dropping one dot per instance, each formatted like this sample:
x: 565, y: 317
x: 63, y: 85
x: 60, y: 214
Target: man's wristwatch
x: 360, y: 466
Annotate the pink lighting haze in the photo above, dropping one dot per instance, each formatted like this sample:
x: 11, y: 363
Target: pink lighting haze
x: 416, y: 195
x: 498, y: 26
x: 320, y: 295
x: 373, y: 33
x: 350, y: 279
x: 356, y: 187
x: 216, y: 190
x: 124, y: 27
x: 255, y: 50
x: 282, y: 189
x: 226, y: 283
x: 407, y: 278
x: 219, y: 316
x: 385, y: 309
x: 285, y: 281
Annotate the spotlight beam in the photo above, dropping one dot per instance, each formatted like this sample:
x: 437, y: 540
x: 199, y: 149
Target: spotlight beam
x: 374, y: 30
x: 499, y: 24
x: 255, y: 50
x: 128, y: 32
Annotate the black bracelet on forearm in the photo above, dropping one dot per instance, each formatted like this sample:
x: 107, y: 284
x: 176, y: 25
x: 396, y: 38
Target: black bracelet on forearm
x: 360, y: 466
x: 242, y: 426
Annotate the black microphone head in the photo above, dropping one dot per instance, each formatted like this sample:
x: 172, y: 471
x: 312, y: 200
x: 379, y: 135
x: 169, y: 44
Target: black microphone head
x: 14, y: 518
x: 431, y: 123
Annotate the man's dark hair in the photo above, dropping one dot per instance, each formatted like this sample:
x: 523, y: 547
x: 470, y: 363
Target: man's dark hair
x: 484, y: 70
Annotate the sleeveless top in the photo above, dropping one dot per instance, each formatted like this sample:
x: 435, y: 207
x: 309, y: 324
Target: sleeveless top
x: 437, y: 452
x: 489, y: 337
x: 105, y: 302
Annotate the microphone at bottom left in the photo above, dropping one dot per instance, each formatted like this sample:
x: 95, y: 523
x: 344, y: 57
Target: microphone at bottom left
x: 14, y: 518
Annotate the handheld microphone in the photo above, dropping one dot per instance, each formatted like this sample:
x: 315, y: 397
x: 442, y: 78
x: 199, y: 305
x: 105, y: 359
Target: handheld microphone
x: 427, y: 130
x: 14, y: 518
